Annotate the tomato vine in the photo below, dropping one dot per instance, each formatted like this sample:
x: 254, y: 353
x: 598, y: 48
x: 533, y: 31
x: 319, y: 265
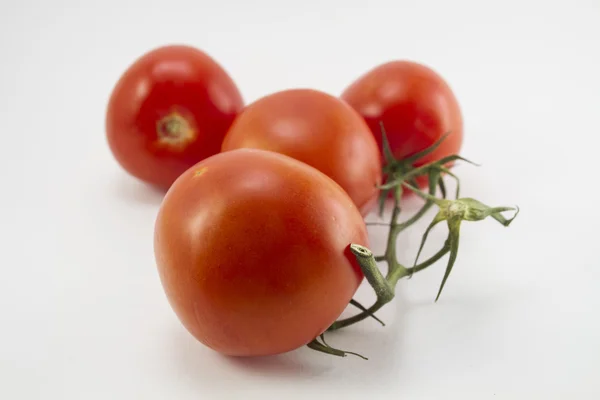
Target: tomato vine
x: 400, y: 176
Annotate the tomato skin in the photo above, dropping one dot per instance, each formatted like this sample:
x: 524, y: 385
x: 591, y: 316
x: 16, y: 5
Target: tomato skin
x: 252, y: 251
x: 416, y: 106
x: 317, y: 129
x: 172, y: 87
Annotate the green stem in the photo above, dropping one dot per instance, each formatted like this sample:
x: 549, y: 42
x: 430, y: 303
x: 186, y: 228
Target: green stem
x: 395, y: 229
x: 420, y: 267
x: 342, y: 323
x: 364, y: 309
x: 415, y: 217
x: 381, y: 286
x: 327, y: 349
x: 402, y: 174
x: 315, y: 345
x: 369, y: 267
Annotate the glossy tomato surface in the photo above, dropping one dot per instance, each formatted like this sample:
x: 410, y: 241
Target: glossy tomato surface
x: 416, y: 106
x: 317, y: 129
x: 252, y: 248
x: 168, y: 111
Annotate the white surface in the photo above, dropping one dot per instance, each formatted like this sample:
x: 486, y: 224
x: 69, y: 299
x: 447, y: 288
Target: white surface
x: 82, y: 312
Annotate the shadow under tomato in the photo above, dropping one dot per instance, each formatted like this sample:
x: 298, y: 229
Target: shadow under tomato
x: 382, y: 345
x: 132, y: 190
x: 201, y: 366
x: 293, y: 364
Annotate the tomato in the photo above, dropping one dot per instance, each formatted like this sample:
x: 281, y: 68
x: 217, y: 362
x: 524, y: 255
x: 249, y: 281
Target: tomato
x: 168, y: 111
x: 317, y: 129
x: 416, y: 106
x: 252, y: 249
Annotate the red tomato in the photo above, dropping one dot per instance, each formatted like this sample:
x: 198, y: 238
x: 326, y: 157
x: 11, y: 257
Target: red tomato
x: 168, y: 111
x: 319, y: 130
x: 416, y: 106
x: 253, y: 252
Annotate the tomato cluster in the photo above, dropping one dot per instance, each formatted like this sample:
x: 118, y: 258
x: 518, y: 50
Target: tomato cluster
x: 263, y: 201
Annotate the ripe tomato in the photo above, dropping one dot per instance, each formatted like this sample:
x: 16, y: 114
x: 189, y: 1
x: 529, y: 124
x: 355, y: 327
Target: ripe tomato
x: 416, y: 106
x: 252, y: 248
x: 319, y: 130
x: 168, y: 111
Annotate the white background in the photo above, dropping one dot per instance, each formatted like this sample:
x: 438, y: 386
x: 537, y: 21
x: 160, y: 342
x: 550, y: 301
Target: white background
x: 82, y: 312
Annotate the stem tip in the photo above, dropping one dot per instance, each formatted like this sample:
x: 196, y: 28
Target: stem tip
x: 360, y: 251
